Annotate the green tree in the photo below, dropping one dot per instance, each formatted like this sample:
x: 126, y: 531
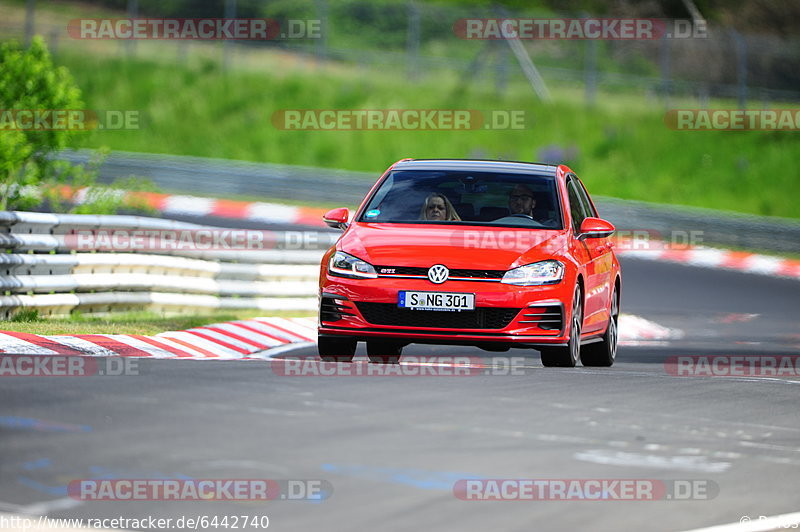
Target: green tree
x: 28, y: 172
x: 29, y: 80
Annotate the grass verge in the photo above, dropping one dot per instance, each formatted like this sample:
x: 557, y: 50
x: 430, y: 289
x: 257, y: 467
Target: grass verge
x: 146, y: 323
x: 626, y: 153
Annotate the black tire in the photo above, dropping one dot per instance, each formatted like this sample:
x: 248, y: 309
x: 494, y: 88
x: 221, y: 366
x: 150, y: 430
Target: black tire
x: 383, y: 352
x: 603, y: 353
x: 332, y: 349
x: 567, y: 357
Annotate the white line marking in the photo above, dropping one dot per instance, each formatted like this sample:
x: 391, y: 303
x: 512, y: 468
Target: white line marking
x: 679, y: 463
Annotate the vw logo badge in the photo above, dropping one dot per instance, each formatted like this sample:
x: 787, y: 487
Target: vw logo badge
x: 438, y: 274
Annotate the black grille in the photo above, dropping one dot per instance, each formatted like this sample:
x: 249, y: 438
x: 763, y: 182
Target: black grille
x: 549, y: 317
x: 480, y: 318
x: 331, y: 309
x: 480, y: 274
x: 458, y: 272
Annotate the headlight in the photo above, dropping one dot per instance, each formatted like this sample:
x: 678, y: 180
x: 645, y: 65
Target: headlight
x: 545, y: 272
x: 344, y: 265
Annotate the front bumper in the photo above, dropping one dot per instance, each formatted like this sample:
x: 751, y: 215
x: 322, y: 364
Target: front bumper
x: 533, y: 316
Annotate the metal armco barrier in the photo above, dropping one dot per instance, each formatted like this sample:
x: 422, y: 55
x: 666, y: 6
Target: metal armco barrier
x: 46, y: 269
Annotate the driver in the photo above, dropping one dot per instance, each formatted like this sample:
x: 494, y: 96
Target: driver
x: 521, y: 200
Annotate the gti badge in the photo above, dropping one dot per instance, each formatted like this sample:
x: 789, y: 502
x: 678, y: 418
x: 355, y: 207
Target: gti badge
x: 438, y: 274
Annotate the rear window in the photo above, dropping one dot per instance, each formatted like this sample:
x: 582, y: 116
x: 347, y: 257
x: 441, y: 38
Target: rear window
x: 472, y: 198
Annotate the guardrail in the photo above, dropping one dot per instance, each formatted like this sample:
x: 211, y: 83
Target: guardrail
x: 42, y: 268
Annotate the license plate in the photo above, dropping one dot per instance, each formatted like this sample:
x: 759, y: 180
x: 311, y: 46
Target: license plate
x: 436, y: 301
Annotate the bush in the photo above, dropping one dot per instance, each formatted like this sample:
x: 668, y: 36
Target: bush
x: 28, y: 171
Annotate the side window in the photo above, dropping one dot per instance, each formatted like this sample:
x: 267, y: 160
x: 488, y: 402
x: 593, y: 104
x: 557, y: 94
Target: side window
x: 588, y: 208
x: 576, y: 207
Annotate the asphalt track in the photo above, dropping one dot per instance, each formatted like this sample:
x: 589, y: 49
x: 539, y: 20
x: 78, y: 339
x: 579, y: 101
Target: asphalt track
x: 393, y: 447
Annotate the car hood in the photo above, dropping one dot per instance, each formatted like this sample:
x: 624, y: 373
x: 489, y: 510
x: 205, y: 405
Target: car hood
x: 455, y: 246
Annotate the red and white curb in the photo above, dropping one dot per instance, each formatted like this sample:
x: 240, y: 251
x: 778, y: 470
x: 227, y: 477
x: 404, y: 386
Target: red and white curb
x: 724, y: 259
x: 258, y: 338
x: 245, y: 339
x: 202, y: 206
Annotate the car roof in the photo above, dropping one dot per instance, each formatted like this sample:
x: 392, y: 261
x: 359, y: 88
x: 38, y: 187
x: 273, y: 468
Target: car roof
x: 476, y: 165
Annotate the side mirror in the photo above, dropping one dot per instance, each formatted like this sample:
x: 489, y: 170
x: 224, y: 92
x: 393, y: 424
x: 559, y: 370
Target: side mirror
x: 337, y: 218
x: 595, y: 228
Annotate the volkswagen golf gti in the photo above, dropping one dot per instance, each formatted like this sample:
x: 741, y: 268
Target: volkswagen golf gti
x: 492, y: 254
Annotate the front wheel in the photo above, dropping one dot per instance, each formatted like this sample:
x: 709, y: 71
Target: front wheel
x: 604, y: 352
x: 333, y: 349
x: 567, y: 357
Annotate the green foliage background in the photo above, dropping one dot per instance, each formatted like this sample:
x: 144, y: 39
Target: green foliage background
x: 621, y: 147
x: 30, y: 80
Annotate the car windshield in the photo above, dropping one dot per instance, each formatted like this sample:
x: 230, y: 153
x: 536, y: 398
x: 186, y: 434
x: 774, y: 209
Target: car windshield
x: 463, y: 197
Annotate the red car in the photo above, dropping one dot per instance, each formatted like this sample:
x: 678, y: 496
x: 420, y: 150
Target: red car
x: 492, y: 254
